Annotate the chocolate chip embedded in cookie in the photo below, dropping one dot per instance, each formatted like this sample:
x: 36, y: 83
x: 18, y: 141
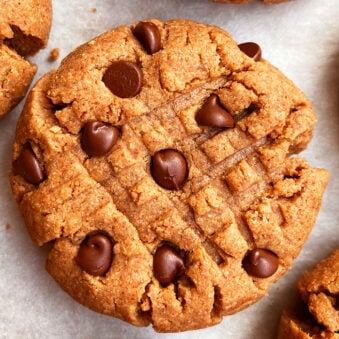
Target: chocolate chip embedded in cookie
x: 212, y: 114
x: 27, y: 166
x: 318, y: 316
x: 95, y: 254
x: 251, y: 49
x: 149, y: 36
x: 168, y: 264
x: 23, y: 31
x: 98, y: 138
x: 123, y: 78
x: 167, y: 186
x: 261, y: 263
x: 169, y: 169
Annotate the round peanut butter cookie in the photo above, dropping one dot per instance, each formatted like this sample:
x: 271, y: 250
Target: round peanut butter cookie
x: 24, y: 29
x: 156, y: 160
x: 318, y: 316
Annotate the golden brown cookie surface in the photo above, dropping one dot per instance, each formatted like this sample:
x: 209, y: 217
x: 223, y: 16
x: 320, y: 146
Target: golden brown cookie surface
x: 24, y: 29
x: 156, y: 158
x: 319, y: 290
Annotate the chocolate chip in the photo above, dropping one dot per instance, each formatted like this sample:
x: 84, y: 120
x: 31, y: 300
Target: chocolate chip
x: 169, y: 169
x: 95, y: 254
x: 213, y: 114
x: 261, y: 263
x: 123, y: 78
x: 98, y: 138
x: 167, y: 265
x: 251, y: 49
x: 149, y: 36
x: 27, y: 165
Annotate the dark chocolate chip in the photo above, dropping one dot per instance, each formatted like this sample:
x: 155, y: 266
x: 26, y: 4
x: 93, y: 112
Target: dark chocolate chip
x: 123, y: 78
x: 251, y: 49
x: 261, y: 263
x: 167, y: 265
x: 169, y: 169
x: 98, y: 138
x: 27, y: 165
x: 149, y: 36
x: 213, y: 114
x: 95, y: 254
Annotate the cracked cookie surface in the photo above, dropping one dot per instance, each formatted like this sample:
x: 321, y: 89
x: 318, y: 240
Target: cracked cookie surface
x: 24, y: 30
x: 318, y: 317
x: 156, y: 159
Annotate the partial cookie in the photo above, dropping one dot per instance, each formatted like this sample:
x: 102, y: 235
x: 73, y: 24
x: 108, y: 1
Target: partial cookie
x: 319, y: 290
x: 16, y: 74
x: 245, y: 1
x: 156, y: 159
x: 24, y: 29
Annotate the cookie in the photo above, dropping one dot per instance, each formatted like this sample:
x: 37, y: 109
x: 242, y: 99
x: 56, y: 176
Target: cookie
x: 318, y: 317
x: 24, y: 29
x: 156, y: 160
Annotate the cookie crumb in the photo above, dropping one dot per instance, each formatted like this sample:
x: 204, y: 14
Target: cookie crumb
x: 8, y: 226
x: 93, y: 10
x: 54, y: 54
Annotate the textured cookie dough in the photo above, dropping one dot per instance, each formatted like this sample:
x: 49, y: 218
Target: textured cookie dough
x: 24, y: 29
x: 319, y: 316
x: 156, y: 160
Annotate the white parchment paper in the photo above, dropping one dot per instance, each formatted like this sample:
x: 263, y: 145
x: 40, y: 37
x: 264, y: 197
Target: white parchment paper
x: 301, y: 38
